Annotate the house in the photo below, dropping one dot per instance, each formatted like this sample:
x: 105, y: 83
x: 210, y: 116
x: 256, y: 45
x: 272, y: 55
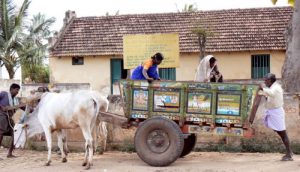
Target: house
x: 247, y: 43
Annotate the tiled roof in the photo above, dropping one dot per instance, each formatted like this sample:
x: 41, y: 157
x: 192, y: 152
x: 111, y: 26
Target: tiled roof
x: 233, y: 30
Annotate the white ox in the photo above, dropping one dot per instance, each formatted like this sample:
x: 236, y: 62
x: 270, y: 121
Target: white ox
x: 58, y: 111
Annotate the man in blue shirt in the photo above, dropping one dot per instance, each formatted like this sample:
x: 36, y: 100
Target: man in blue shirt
x: 8, y: 99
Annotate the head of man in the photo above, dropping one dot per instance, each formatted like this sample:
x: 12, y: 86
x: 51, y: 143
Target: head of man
x: 14, y: 89
x: 269, y: 79
x: 212, y: 62
x: 157, y: 58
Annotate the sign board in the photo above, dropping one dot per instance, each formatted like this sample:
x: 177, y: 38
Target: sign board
x: 138, y: 48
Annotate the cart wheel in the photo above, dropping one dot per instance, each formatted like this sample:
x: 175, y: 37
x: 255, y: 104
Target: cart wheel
x: 158, y: 141
x: 189, y: 144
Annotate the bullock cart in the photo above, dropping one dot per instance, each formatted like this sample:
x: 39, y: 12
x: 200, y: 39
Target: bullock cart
x: 169, y: 115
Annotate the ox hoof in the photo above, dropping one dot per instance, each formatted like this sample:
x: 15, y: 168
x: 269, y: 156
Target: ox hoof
x: 64, y: 160
x: 84, y: 163
x: 88, y: 166
x: 47, y: 163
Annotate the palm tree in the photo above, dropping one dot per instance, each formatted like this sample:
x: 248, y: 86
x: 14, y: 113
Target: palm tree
x: 11, y: 33
x: 34, y: 50
x: 189, y: 8
x: 291, y: 66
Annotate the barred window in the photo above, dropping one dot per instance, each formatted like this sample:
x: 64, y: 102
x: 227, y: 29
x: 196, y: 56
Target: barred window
x: 260, y: 65
x: 167, y: 73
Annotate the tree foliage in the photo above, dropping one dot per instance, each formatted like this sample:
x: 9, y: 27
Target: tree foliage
x: 22, y: 42
x: 34, y: 51
x: 11, y: 33
x: 189, y: 8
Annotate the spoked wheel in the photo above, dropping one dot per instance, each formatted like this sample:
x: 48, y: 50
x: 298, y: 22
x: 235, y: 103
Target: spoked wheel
x: 189, y: 144
x: 158, y: 141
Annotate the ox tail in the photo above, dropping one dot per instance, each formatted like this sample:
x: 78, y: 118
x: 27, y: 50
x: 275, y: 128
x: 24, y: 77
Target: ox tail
x: 96, y: 106
x: 100, y: 104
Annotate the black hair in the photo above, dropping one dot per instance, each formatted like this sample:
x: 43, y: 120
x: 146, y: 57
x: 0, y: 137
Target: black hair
x: 271, y: 77
x: 212, y: 60
x: 14, y: 86
x: 158, y: 56
x: 43, y: 89
x: 215, y: 72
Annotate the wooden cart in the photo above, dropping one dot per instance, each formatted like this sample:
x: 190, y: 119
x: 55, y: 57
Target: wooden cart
x: 169, y: 115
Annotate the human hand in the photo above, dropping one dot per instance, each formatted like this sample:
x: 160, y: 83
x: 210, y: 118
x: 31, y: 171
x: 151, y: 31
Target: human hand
x: 150, y: 80
x: 261, y: 86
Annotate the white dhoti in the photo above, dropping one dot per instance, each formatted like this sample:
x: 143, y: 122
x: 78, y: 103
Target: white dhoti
x: 275, y: 119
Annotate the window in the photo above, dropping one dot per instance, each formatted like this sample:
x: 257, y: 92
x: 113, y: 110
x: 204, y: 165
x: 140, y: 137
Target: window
x: 260, y: 65
x: 167, y: 73
x: 117, y: 72
x: 77, y: 61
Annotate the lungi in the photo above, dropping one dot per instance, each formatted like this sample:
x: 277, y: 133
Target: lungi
x: 275, y: 119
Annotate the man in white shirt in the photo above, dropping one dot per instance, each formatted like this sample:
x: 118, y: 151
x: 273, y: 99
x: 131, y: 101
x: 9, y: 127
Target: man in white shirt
x: 274, y: 116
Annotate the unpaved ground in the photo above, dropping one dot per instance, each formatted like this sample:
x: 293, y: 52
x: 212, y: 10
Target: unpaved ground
x: 32, y: 161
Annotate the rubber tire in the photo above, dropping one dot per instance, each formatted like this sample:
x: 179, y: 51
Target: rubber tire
x: 172, y: 152
x: 189, y: 144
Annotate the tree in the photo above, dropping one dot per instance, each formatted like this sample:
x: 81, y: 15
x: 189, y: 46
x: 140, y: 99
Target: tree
x: 34, y: 50
x: 11, y: 34
x: 202, y: 34
x: 291, y: 66
x: 189, y: 8
x: 116, y: 14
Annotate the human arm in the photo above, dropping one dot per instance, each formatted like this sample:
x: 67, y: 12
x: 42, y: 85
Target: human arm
x: 145, y: 74
x: 2, y: 97
x: 265, y: 91
x: 146, y: 67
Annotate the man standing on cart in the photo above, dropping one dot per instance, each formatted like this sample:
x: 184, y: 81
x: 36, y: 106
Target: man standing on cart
x: 149, y: 69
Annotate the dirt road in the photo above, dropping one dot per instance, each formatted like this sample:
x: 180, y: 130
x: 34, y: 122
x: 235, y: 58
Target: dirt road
x: 32, y: 161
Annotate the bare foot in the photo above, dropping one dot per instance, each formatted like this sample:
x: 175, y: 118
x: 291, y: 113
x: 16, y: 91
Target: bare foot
x: 287, y: 158
x: 11, y: 156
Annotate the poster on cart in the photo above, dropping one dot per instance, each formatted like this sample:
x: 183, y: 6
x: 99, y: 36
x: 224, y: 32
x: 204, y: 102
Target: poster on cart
x: 166, y: 101
x: 140, y: 99
x: 199, y: 103
x: 228, y: 104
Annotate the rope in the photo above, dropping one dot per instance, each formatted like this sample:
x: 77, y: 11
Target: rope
x: 23, y: 128
x: 8, y: 119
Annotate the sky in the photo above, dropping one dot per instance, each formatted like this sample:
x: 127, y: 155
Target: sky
x: 57, y: 8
